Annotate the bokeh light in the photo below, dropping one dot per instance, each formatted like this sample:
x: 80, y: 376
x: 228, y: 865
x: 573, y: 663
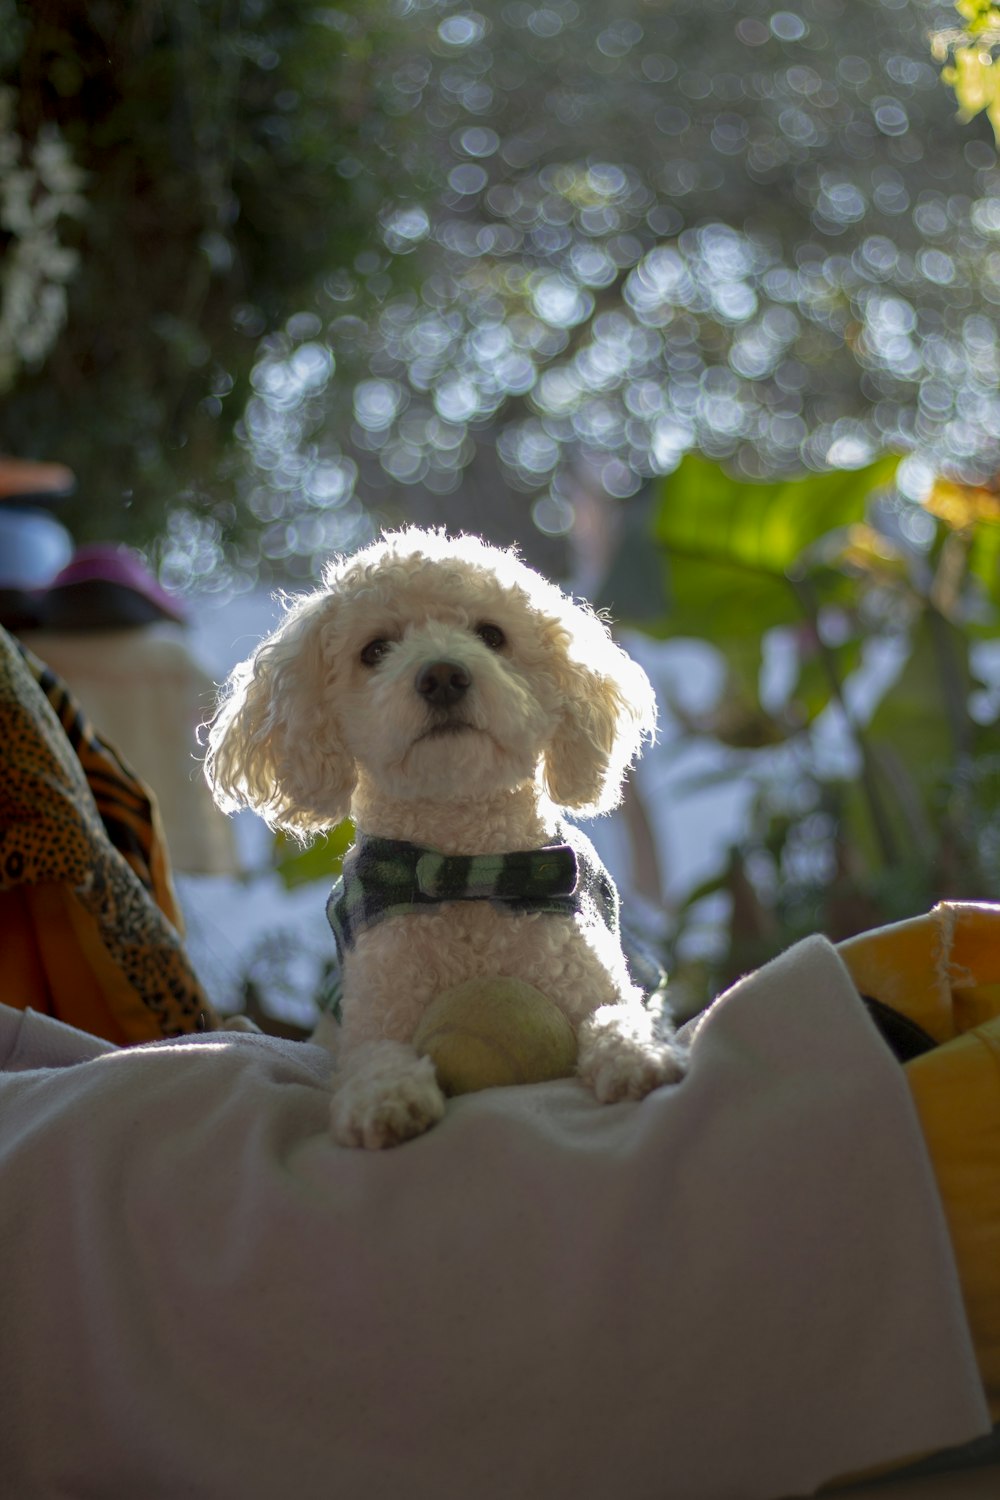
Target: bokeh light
x: 760, y: 233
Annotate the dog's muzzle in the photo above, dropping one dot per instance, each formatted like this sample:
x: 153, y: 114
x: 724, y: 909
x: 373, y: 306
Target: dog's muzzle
x: 442, y: 684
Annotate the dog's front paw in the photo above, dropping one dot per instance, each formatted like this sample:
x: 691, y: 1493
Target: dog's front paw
x: 386, y: 1095
x: 620, y: 1058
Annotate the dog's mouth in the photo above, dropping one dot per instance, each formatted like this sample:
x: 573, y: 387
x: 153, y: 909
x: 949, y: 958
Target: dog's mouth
x: 446, y: 729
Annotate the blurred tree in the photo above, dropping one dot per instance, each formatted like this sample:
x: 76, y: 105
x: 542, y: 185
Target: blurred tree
x: 761, y: 234
x: 172, y: 191
x: 457, y: 260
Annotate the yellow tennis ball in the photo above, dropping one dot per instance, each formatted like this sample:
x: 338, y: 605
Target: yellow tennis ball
x: 488, y: 1033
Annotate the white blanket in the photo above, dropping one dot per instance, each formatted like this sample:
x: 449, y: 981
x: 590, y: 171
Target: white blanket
x: 738, y: 1289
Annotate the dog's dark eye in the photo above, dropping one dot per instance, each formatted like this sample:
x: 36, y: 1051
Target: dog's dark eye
x: 373, y: 653
x: 492, y: 636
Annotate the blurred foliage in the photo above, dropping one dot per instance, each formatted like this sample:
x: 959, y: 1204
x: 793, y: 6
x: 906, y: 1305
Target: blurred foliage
x: 972, y: 69
x: 321, y: 860
x: 835, y: 566
x: 205, y: 141
x: 782, y: 252
x: 476, y: 264
x: 736, y: 548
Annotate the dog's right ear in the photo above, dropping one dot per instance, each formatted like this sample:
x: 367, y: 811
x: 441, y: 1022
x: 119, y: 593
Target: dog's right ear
x: 275, y: 744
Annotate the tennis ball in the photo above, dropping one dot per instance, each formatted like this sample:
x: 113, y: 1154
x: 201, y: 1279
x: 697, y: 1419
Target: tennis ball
x: 487, y: 1033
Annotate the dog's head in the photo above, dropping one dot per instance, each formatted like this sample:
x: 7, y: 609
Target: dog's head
x: 441, y: 667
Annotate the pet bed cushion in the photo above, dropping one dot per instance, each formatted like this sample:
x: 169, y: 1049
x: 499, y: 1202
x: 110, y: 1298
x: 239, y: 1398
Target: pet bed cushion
x: 742, y: 1286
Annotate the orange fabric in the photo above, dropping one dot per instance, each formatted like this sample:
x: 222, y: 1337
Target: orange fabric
x: 24, y: 981
x: 88, y: 917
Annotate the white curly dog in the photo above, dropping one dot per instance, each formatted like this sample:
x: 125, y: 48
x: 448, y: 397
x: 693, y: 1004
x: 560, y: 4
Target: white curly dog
x: 453, y: 703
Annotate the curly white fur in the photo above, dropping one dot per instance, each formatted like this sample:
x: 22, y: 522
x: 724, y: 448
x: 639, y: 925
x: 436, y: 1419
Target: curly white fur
x: 321, y: 723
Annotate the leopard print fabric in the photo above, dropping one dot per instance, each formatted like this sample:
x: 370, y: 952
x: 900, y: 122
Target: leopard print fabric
x: 73, y: 815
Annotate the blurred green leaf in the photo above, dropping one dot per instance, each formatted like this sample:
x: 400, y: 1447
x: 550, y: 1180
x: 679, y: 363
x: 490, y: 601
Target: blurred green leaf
x: 975, y: 78
x: 719, y: 601
x: 917, y: 736
x: 766, y: 528
x: 732, y: 547
x: 813, y: 689
x: 322, y: 860
x: 924, y: 716
x: 984, y: 561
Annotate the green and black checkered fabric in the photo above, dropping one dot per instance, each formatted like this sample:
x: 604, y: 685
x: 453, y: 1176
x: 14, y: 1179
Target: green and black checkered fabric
x: 387, y: 878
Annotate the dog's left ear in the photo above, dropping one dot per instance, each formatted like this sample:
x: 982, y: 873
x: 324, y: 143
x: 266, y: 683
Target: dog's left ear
x: 608, y: 709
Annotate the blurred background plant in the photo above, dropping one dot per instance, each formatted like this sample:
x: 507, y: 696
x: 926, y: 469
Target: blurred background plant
x: 968, y: 51
x: 276, y: 273
x: 414, y: 257
x: 859, y: 695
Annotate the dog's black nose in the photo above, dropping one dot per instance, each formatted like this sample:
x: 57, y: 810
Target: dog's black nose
x: 442, y: 683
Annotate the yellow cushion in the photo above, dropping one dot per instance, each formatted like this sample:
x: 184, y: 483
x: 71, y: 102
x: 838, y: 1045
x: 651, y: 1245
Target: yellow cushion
x: 943, y: 971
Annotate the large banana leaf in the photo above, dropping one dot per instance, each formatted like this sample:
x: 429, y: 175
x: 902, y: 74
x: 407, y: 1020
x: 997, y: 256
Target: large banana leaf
x: 736, y: 550
x: 761, y: 527
x: 720, y: 600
